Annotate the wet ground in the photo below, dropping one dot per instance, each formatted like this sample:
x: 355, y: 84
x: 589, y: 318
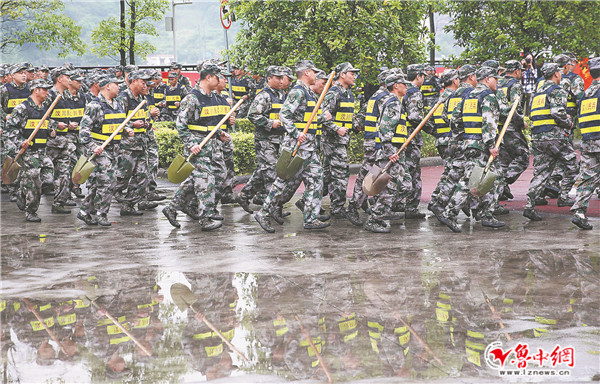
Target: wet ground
x: 405, y: 307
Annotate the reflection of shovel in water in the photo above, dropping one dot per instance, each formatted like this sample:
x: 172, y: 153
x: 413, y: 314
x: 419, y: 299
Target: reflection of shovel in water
x: 10, y: 168
x: 482, y: 180
x: 181, y: 168
x: 32, y: 309
x: 184, y: 298
x: 289, y: 164
x: 377, y: 179
x: 84, y: 166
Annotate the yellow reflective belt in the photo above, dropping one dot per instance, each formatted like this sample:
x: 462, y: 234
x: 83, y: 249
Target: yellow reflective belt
x: 571, y: 104
x: 61, y: 113
x: 543, y: 320
x: 159, y: 95
x: 237, y: 88
x: 215, y: 110
x: 201, y: 128
x: 590, y: 129
x: 77, y: 112
x: 473, y: 356
x: 442, y: 315
x: 278, y: 322
x: 202, y: 336
x: 143, y: 322
x: 39, y: 141
x: 114, y: 330
x: 108, y: 321
x: 2, y: 305
x: 228, y: 334
x: 139, y: 130
x: 274, y: 116
x: 119, y: 340
x: 540, y: 112
x: 472, y: 119
x: 443, y: 130
x: 544, y: 122
x: 37, y: 325
x: 100, y: 136
x: 214, y: 351
x: 67, y: 319
x: 281, y: 331
x: 153, y: 303
x: 173, y: 98
x: 31, y: 124
x: 473, y: 130
x: 585, y: 119
x: 371, y: 118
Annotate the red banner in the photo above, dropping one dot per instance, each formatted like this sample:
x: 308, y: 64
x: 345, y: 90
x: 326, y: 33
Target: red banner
x: 582, y: 70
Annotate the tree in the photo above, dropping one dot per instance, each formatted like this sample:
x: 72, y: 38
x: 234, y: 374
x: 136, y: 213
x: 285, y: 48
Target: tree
x: 502, y: 30
x: 118, y: 35
x: 369, y: 34
x: 38, y: 22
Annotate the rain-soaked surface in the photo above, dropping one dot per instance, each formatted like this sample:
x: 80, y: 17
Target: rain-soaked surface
x: 409, y: 306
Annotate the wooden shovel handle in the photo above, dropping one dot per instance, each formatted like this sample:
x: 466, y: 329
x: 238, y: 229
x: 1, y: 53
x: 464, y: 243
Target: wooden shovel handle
x: 420, y: 340
x: 120, y: 127
x: 495, y: 313
x: 39, y: 125
x: 37, y: 316
x: 312, y: 345
x: 503, y: 131
x: 316, y: 110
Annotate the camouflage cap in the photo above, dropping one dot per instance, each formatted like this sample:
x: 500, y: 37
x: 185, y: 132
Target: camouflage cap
x: 594, y: 63
x: 274, y: 70
x: 513, y: 65
x: 287, y: 71
x: 466, y: 71
x: 30, y: 67
x: 383, y: 75
x: 93, y: 78
x: 302, y: 65
x: 562, y: 60
x: 485, y: 72
x: 549, y: 69
x: 173, y: 74
x: 69, y: 66
x: 175, y: 65
x: 395, y: 78
x: 108, y: 79
x: 344, y: 67
x: 415, y: 69
x: 428, y: 68
x: 76, y: 76
x: 449, y: 75
x: 321, y: 74
x: 493, y: 64
x: 130, y: 68
x: 18, y: 67
x: 209, y: 69
x: 43, y: 68
x: 139, y: 74
x: 59, y: 71
x: 572, y: 57
x: 40, y: 83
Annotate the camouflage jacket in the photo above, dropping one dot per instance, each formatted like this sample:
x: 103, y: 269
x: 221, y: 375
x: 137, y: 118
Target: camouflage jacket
x: 93, y: 116
x: 190, y: 110
x: 17, y: 119
x: 575, y: 89
x: 185, y: 83
x: 490, y: 112
x: 506, y: 98
x: 139, y: 141
x: 4, y: 97
x: 558, y: 111
x: 591, y: 146
x: 414, y: 106
x: 387, y: 123
x: 258, y: 114
x: 58, y: 141
x: 456, y: 138
x: 444, y: 97
x: 331, y: 103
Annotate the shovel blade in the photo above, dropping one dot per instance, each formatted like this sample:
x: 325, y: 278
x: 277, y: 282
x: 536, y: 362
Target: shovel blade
x: 82, y: 170
x: 182, y: 296
x: 481, y: 182
x: 10, y: 170
x: 179, y: 170
x: 375, y: 181
x: 288, y: 165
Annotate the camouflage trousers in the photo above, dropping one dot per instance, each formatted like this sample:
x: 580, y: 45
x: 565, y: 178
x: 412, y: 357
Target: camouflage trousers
x: 514, y: 156
x: 226, y: 187
x: 461, y: 194
x: 546, y: 155
x: 101, y: 183
x: 47, y: 174
x: 9, y: 148
x: 242, y: 111
x: 412, y: 197
x: 311, y: 174
x: 152, y: 161
x: 219, y: 168
x: 336, y: 172
x: 167, y: 114
x: 369, y: 158
x: 30, y: 186
x: 443, y: 151
x: 264, y: 175
x: 199, y: 188
x: 61, y: 158
x: 589, y: 176
x: 132, y: 175
x: 454, y: 169
x: 384, y: 200
x: 73, y: 137
x: 560, y: 169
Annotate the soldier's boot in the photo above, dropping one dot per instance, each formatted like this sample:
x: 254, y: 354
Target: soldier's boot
x: 565, y: 202
x: 436, y: 209
x: 353, y: 216
x: 322, y: 216
x: 492, y: 222
x: 48, y: 189
x: 507, y: 193
x: 217, y: 216
x: 399, y: 207
x: 376, y: 226
x: 394, y: 216
x: 264, y: 222
x: 244, y: 203
x: 127, y: 210
x: 501, y: 210
x: 171, y: 215
x: 145, y: 205
x: 531, y: 214
x: 78, y: 192
x: 20, y: 201
x: 119, y: 196
x: 32, y: 217
x: 413, y: 214
x: 466, y: 210
x: 208, y: 224
x: 541, y: 201
x: 580, y: 220
x: 317, y: 224
x: 450, y: 222
x: 12, y: 196
x: 192, y: 212
x: 476, y: 214
x: 551, y: 192
x: 57, y: 208
x: 87, y: 218
x: 103, y: 220
x: 275, y: 215
x: 154, y: 196
x: 228, y: 199
x: 341, y: 214
x: 258, y: 200
x: 70, y: 203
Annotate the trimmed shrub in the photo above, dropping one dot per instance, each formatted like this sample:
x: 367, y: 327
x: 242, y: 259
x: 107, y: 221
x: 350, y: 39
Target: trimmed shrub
x: 244, y: 157
x: 169, y: 145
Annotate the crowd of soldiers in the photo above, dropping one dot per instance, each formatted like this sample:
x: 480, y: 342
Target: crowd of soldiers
x: 471, y: 105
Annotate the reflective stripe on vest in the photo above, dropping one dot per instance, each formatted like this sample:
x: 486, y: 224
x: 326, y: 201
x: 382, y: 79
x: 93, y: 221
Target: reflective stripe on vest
x: 141, y: 115
x: 276, y: 104
x: 223, y: 108
x: 589, y: 116
x: 428, y: 90
x: 571, y: 98
x: 442, y: 129
x: 206, y: 122
x: 16, y: 96
x: 372, y: 115
x: 112, y: 119
x: 505, y: 91
x: 472, y: 117
x: 172, y: 96
x: 61, y: 113
x: 34, y: 117
x: 400, y: 132
x: 541, y: 118
x: 345, y: 112
x: 310, y: 106
x: 404, y: 100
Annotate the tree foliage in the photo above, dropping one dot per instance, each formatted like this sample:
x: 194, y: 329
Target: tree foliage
x: 369, y: 34
x: 504, y: 29
x: 39, y: 22
x: 112, y: 37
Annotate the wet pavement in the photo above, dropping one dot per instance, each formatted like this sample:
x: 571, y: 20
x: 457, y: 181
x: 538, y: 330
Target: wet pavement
x: 405, y: 307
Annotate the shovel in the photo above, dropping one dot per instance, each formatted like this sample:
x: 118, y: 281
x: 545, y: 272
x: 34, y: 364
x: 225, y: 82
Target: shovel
x: 181, y: 168
x: 10, y: 168
x: 184, y: 298
x: 289, y: 164
x: 84, y: 166
x: 482, y: 180
x: 43, y: 323
x: 377, y: 179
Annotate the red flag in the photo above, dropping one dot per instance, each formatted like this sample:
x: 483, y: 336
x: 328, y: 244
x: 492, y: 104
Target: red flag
x: 583, y: 70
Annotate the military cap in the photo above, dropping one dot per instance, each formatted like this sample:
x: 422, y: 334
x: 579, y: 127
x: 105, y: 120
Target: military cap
x: 139, y: 74
x: 130, y: 68
x: 383, y: 75
x: 287, y: 71
x: 321, y: 74
x: 108, y: 79
x: 448, y: 75
x: 415, y: 69
x: 493, y: 64
x: 549, y: 69
x: 173, y: 74
x: 40, y: 83
x: 274, y: 70
x: 209, y: 69
x: 93, y: 78
x: 345, y: 67
x: 466, y: 71
x: 302, y: 65
x: 562, y: 60
x: 572, y: 57
x: 43, y: 68
x: 395, y: 78
x: 2, y: 72
x: 76, y: 76
x: 58, y: 71
x: 513, y: 65
x: 594, y: 63
x: 429, y: 68
x: 175, y: 65
x: 69, y: 66
x: 30, y: 67
x: 485, y: 72
x: 18, y: 67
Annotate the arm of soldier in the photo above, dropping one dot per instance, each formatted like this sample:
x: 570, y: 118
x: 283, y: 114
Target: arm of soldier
x: 329, y: 106
x: 359, y: 118
x: 286, y: 115
x: 257, y: 113
x: 91, y: 115
x: 390, y: 117
x: 518, y: 119
x: 16, y: 122
x: 4, y: 101
x: 558, y: 102
x: 414, y: 105
x: 578, y: 88
x: 490, y: 113
x: 185, y: 114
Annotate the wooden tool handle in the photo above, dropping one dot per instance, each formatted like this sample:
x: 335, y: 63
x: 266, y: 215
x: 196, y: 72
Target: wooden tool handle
x: 316, y: 110
x: 39, y: 125
x: 503, y: 131
x: 37, y: 316
x: 120, y: 127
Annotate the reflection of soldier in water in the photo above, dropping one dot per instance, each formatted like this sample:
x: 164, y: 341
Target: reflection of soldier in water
x: 204, y: 349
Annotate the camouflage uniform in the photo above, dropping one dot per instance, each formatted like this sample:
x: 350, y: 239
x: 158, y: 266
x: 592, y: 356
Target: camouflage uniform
x: 226, y: 172
x: 77, y: 103
x: 589, y: 173
x: 172, y: 95
x: 431, y: 88
x: 152, y: 151
x: 240, y: 86
x: 550, y: 143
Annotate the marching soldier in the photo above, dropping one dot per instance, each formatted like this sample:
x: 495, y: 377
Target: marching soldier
x: 181, y: 79
x: 240, y: 86
x: 431, y: 87
x: 174, y: 93
x: 77, y: 102
x: 153, y: 85
x: 225, y: 188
